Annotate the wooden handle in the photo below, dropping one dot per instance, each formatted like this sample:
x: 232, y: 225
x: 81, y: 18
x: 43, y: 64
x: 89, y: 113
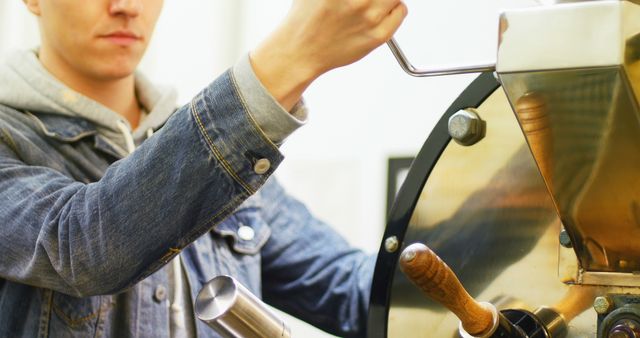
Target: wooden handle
x: 431, y: 275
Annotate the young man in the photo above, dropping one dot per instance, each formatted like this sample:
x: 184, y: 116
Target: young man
x: 115, y: 210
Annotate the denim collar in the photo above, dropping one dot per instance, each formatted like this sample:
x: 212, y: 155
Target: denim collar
x: 63, y: 128
x: 71, y: 129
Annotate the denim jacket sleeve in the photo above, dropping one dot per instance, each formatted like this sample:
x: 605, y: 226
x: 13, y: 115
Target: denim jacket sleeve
x: 310, y: 271
x: 97, y: 238
x: 277, y: 123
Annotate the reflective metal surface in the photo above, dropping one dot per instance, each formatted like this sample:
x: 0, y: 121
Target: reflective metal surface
x: 407, y: 198
x: 486, y: 212
x: 234, y: 312
x: 589, y: 153
x: 571, y: 73
x: 573, y: 35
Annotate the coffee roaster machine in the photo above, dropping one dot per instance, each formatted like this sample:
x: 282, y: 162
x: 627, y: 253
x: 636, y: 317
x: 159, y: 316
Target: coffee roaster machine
x: 520, y: 215
x: 525, y: 198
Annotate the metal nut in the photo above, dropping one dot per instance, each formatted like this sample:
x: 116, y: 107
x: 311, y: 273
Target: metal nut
x: 602, y: 305
x: 466, y: 127
x: 391, y: 244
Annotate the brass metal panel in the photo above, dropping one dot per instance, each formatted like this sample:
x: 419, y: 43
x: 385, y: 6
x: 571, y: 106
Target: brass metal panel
x: 583, y: 128
x: 486, y: 211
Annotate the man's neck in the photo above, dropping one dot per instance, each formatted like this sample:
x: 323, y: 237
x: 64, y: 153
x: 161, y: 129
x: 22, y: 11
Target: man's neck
x: 118, y: 95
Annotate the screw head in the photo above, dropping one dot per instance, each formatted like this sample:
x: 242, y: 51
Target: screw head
x: 602, y: 305
x: 466, y: 127
x: 565, y: 240
x: 391, y: 244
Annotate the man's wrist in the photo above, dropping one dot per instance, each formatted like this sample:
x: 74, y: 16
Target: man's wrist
x: 283, y: 70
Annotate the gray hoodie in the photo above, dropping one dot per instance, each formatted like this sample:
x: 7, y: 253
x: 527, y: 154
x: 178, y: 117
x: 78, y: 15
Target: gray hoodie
x: 28, y: 86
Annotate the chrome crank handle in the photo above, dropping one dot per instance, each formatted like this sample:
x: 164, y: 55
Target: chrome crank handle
x: 411, y: 70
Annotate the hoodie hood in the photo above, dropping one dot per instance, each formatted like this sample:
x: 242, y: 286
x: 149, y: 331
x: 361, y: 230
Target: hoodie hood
x: 28, y: 86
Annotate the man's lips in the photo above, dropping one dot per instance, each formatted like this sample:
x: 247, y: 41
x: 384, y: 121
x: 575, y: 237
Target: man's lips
x: 122, y: 38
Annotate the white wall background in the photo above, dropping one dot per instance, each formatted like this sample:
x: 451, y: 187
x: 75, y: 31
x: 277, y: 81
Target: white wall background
x: 360, y: 115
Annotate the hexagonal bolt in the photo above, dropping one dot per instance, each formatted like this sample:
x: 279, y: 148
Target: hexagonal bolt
x: 565, y: 240
x: 466, y: 127
x: 603, y: 305
x: 391, y: 244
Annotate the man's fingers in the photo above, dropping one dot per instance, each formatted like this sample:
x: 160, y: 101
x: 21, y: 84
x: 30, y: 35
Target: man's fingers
x: 389, y: 25
x: 379, y: 10
x: 389, y: 5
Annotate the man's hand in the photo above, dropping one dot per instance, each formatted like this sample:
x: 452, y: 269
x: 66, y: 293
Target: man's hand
x: 320, y: 35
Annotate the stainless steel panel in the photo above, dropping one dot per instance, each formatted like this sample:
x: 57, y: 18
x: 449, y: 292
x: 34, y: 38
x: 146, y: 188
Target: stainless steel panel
x: 572, y: 35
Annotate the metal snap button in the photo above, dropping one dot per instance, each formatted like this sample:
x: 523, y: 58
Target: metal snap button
x: 246, y: 233
x: 262, y: 166
x: 160, y: 294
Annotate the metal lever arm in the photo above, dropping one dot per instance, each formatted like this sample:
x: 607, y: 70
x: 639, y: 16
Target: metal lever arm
x: 411, y: 70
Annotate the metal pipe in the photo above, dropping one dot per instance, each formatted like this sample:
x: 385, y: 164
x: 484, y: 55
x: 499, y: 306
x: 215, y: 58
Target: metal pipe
x: 411, y: 70
x: 234, y: 312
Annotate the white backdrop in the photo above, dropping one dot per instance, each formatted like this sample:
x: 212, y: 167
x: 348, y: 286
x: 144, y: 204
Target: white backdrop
x: 360, y: 115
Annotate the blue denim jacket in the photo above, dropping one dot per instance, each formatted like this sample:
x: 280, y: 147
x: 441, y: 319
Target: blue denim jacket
x: 84, y: 233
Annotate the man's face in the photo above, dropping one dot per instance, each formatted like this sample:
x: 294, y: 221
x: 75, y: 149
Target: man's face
x: 100, y: 39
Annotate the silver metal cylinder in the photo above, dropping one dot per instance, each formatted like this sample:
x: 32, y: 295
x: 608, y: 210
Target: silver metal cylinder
x: 553, y: 321
x: 234, y: 312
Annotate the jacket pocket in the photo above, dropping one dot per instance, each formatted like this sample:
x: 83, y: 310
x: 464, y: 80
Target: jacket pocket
x: 73, y: 316
x: 245, y: 233
x: 245, y: 229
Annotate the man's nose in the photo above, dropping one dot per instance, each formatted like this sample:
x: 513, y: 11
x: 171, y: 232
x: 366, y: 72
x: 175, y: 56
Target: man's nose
x: 130, y: 8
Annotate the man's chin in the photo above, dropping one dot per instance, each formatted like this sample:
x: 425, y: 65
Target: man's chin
x: 118, y: 66
x: 115, y: 71
x: 119, y: 74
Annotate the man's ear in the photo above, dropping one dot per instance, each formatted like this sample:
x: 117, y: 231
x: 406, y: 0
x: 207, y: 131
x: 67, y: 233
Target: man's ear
x: 33, y: 6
